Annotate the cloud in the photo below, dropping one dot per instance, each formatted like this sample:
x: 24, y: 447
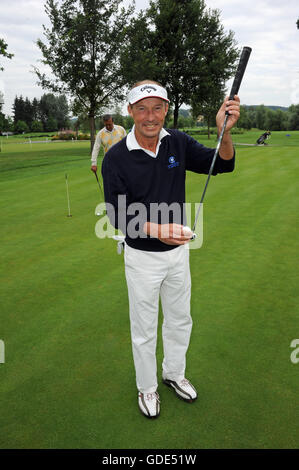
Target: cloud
x: 18, y: 12
x: 21, y: 25
x: 268, y: 26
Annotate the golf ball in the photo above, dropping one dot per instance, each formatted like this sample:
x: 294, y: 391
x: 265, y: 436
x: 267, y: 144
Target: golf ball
x: 187, y: 231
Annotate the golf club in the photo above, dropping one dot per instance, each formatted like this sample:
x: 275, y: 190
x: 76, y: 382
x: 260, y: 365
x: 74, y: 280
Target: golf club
x: 99, y: 183
x: 234, y: 91
x: 68, y: 197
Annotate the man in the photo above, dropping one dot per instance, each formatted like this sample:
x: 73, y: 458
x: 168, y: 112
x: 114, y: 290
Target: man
x: 148, y: 167
x: 108, y: 136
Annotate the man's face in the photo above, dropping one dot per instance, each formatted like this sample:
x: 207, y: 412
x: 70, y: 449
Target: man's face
x: 109, y: 124
x: 149, y: 116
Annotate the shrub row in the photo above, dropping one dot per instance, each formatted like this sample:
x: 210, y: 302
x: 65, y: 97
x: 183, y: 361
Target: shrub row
x: 213, y: 131
x: 37, y: 136
x: 70, y: 136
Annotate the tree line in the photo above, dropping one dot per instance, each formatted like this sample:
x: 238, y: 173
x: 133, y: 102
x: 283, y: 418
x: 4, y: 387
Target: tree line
x: 263, y: 117
x: 259, y: 117
x: 49, y: 113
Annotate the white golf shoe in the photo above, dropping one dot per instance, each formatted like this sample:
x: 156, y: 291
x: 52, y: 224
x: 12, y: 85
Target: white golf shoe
x: 149, y: 404
x: 183, y: 388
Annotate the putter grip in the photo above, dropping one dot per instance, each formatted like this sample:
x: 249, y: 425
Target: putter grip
x: 240, y: 71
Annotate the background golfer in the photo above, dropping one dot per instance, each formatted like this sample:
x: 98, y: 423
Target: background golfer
x: 149, y: 167
x: 109, y: 135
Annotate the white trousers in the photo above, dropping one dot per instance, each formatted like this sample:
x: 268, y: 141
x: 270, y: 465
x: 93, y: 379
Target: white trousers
x: 150, y: 275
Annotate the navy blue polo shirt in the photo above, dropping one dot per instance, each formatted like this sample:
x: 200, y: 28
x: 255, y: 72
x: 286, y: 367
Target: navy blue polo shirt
x: 146, y: 182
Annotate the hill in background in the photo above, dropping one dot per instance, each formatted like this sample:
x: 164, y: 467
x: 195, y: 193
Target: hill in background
x: 186, y: 111
x: 274, y: 108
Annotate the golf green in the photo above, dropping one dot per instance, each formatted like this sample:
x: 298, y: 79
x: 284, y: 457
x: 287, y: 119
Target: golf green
x: 68, y: 378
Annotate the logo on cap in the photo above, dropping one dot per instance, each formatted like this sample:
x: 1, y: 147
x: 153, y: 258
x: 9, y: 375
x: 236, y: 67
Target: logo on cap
x: 148, y: 88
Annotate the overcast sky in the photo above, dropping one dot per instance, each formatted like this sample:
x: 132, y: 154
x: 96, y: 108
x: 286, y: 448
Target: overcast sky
x: 268, y: 26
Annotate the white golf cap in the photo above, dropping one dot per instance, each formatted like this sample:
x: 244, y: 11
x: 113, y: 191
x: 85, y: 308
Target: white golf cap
x: 147, y: 90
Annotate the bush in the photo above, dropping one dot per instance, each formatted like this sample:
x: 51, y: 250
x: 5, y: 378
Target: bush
x: 83, y: 137
x: 70, y: 135
x: 65, y: 135
x: 37, y: 126
x: 51, y: 124
x: 21, y: 127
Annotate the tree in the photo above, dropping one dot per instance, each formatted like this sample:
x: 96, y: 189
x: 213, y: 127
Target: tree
x: 62, y: 112
x: 82, y: 122
x: 35, y: 110
x: 261, y: 117
x: 117, y: 117
x: 276, y: 120
x: 28, y: 112
x: 2, y: 122
x: 6, y: 123
x: 55, y: 107
x: 128, y: 122
x: 244, y: 121
x: 1, y: 100
x: 48, y: 106
x: 251, y: 113
x: 293, y: 123
x: 51, y: 124
x: 181, y: 44
x: 21, y: 127
x: 19, y: 110
x: 84, y: 42
x: 37, y: 126
x: 208, y: 105
x: 3, y: 47
x: 139, y: 56
x: 2, y: 116
x: 185, y: 119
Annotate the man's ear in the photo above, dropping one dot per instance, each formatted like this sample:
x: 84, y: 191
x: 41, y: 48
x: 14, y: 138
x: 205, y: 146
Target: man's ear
x: 130, y: 109
x: 166, y: 108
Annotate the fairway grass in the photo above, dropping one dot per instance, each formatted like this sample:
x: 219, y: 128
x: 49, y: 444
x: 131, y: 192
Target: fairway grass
x: 68, y: 378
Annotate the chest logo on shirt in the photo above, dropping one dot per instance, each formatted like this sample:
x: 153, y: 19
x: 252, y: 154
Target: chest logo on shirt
x: 172, y: 162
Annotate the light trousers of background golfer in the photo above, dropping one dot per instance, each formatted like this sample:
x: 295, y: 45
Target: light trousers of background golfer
x: 150, y: 275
